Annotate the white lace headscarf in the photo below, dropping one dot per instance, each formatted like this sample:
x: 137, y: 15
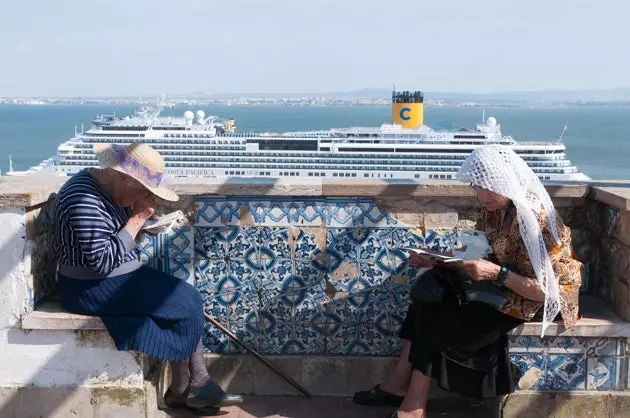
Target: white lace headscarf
x: 497, y: 168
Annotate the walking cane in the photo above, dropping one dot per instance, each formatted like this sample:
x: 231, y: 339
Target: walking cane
x: 258, y: 356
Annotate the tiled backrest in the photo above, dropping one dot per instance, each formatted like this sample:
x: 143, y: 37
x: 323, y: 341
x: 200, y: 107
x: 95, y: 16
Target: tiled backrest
x: 296, y: 276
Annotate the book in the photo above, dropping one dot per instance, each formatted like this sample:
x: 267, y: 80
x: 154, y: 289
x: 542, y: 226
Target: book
x: 164, y: 223
x: 432, y: 258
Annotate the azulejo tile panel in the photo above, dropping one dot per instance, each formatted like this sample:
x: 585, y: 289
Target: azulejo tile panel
x: 311, y: 276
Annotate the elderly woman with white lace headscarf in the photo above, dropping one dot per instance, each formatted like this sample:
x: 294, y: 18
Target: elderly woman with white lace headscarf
x: 456, y: 326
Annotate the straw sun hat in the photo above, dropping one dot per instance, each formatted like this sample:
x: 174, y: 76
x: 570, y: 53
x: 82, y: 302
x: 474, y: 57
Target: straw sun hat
x: 139, y: 161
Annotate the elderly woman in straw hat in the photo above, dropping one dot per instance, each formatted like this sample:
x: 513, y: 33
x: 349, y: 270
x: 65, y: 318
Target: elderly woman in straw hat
x: 455, y: 329
x: 98, y: 215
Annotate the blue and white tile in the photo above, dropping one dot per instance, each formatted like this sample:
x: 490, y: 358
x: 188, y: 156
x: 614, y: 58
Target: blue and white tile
x: 405, y: 277
x: 305, y: 245
x: 527, y: 344
x: 259, y: 323
x: 276, y: 239
x: 327, y: 261
x: 344, y: 340
x: 181, y: 268
x: 308, y: 273
x: 405, y: 238
x: 377, y: 240
x: 345, y: 241
x: 435, y: 241
x: 309, y: 310
x: 211, y: 242
x: 217, y: 211
x: 260, y: 258
x: 149, y: 250
x: 287, y: 212
x: 532, y: 368
x: 391, y: 261
x: 267, y: 286
x: 343, y: 213
x: 209, y: 272
x: 307, y: 212
x: 178, y: 243
x: 596, y: 347
x: 215, y: 341
x: 566, y: 345
x: 603, y: 373
x: 373, y: 274
x: 220, y: 292
x: 565, y: 372
x: 292, y: 338
x: 352, y: 213
x: 374, y: 217
x: 241, y: 241
x: 358, y: 306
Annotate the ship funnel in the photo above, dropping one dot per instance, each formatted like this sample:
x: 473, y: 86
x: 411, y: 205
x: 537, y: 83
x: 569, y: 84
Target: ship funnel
x: 408, y: 108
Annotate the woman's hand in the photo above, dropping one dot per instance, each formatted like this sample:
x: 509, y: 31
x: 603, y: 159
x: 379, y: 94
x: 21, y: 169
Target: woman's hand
x: 480, y: 270
x: 144, y: 208
x: 416, y: 261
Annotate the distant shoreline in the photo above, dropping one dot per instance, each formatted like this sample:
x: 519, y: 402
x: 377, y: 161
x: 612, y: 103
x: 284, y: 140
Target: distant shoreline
x: 340, y: 104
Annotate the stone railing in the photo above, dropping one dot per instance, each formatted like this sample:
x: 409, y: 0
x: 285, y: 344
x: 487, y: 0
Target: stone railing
x: 308, y: 271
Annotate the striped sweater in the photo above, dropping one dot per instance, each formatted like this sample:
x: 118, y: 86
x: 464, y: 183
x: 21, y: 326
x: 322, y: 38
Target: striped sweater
x: 89, y: 241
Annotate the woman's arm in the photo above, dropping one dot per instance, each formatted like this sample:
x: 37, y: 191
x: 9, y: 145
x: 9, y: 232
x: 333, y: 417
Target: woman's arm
x: 481, y: 270
x: 527, y: 287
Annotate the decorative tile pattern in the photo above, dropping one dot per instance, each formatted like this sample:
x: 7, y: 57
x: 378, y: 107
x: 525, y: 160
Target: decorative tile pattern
x: 533, y: 369
x: 352, y: 213
x: 217, y: 211
x: 264, y: 271
x: 603, y: 373
x: 565, y: 372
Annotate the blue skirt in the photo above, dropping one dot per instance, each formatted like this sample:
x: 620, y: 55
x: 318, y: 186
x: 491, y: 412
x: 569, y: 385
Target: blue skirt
x: 146, y: 310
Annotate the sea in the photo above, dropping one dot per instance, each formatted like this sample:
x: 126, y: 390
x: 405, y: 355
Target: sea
x: 596, y: 139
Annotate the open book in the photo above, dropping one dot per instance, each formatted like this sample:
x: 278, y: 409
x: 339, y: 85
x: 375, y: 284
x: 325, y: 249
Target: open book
x: 164, y: 223
x: 432, y: 258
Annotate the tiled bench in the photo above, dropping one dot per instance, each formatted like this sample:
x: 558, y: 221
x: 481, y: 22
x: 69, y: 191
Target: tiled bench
x: 591, y: 355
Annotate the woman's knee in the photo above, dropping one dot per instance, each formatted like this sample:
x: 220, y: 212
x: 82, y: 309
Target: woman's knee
x: 193, y: 296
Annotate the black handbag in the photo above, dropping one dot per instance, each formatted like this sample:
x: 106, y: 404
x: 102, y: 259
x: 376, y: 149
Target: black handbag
x: 427, y: 289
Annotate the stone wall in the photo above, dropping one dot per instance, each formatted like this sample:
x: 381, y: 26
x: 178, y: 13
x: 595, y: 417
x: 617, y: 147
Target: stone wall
x: 313, y: 269
x: 76, y: 366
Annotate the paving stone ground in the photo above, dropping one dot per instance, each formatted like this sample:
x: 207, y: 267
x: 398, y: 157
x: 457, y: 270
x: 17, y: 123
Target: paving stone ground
x: 296, y: 407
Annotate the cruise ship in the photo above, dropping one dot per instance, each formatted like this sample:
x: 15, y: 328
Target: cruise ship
x: 196, y: 145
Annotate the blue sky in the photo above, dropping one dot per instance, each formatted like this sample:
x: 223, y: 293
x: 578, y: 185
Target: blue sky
x: 139, y: 47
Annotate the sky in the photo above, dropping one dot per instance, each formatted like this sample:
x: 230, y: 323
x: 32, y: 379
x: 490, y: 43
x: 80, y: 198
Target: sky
x: 141, y: 47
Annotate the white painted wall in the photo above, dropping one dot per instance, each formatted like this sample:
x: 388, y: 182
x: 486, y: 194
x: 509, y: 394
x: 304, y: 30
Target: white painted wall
x: 49, y: 358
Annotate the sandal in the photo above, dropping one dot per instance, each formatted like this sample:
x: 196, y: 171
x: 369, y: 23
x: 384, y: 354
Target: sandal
x: 378, y: 397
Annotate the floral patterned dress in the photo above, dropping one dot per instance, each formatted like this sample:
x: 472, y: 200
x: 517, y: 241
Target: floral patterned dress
x: 502, y: 232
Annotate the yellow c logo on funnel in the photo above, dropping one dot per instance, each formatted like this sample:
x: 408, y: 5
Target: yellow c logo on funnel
x: 408, y: 115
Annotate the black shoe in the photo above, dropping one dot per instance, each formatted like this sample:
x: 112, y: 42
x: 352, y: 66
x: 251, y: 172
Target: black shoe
x: 210, y: 394
x: 377, y: 397
x: 175, y: 401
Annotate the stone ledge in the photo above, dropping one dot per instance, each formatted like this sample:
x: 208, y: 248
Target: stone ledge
x: 30, y: 191
x: 618, y: 197
x: 598, y: 320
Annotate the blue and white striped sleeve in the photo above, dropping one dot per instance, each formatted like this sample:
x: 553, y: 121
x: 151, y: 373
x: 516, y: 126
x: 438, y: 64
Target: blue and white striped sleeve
x: 93, y: 231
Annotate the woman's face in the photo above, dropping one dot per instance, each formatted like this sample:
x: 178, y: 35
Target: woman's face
x: 490, y: 200
x: 128, y: 190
